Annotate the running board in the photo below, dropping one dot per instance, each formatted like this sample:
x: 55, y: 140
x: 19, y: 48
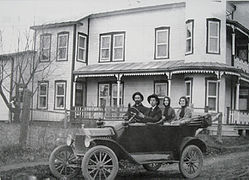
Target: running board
x: 147, y: 158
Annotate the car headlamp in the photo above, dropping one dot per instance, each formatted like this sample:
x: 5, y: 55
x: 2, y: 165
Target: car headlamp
x: 69, y: 140
x: 87, y: 141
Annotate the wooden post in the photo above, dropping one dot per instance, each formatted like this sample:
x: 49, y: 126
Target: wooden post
x: 237, y: 96
x: 27, y: 94
x: 65, y: 120
x: 219, y: 128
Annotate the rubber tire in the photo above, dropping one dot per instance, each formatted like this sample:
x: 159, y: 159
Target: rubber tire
x: 148, y: 167
x: 52, y: 158
x: 200, y: 157
x: 88, y: 155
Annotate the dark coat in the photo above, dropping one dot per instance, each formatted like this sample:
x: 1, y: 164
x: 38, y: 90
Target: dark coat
x: 139, y: 107
x: 153, y: 116
x: 169, y: 114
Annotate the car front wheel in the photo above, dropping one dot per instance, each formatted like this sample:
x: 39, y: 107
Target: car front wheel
x: 63, y: 162
x: 100, y: 162
x: 191, y: 161
x: 152, y: 166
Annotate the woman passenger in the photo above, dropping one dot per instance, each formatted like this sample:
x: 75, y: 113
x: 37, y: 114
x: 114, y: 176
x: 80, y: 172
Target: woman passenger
x: 183, y: 114
x: 168, y: 113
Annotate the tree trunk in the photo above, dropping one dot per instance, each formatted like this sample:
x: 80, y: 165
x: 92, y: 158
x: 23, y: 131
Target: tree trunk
x: 25, y: 117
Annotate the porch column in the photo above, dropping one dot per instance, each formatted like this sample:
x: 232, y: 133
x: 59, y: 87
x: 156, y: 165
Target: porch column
x: 118, y: 76
x: 237, y: 96
x: 169, y: 77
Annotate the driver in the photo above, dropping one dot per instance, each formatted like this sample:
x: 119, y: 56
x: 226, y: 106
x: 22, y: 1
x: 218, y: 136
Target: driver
x: 138, y: 99
x: 154, y: 114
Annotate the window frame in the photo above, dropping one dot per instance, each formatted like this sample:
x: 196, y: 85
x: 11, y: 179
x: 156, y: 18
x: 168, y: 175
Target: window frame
x: 111, y: 35
x: 122, y: 47
x: 121, y: 95
x: 38, y: 94
x: 217, y: 94
x: 67, y: 41
x: 55, y: 94
x: 242, y: 96
x: 191, y: 38
x: 110, y: 84
x: 84, y: 60
x: 160, y: 29
x: 167, y: 89
x: 209, y: 21
x: 190, y: 81
x: 42, y: 49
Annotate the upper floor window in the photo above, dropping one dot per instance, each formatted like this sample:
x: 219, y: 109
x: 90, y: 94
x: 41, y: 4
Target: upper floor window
x: 43, y: 95
x: 62, y: 48
x: 162, y: 43
x: 213, y: 36
x: 189, y: 36
x: 82, y: 47
x: 112, y: 47
x: 212, y: 95
x: 60, y: 94
x: 45, y: 47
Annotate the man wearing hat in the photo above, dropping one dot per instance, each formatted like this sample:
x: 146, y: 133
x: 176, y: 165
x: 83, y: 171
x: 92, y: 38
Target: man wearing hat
x: 154, y: 114
x: 138, y: 99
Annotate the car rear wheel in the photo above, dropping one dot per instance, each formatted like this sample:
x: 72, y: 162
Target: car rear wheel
x: 63, y: 163
x: 191, y: 161
x: 100, y: 162
x: 152, y: 166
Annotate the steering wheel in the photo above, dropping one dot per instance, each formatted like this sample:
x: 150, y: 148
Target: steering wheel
x: 133, y: 112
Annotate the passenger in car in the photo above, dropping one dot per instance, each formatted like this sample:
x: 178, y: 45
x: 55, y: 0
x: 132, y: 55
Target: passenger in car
x: 183, y: 114
x: 169, y: 114
x: 154, y: 114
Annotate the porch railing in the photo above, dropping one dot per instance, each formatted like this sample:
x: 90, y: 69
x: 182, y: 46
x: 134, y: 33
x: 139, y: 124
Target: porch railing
x: 238, y: 117
x: 240, y: 64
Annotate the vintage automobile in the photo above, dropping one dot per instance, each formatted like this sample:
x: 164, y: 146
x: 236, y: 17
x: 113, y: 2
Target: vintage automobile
x: 96, y: 152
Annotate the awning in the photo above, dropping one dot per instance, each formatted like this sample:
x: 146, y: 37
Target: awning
x: 154, y: 68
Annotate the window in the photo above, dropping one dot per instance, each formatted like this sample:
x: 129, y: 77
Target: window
x: 112, y: 47
x: 213, y: 36
x: 188, y: 90
x: 42, y: 95
x: 62, y: 46
x: 243, y: 99
x: 118, y: 47
x: 82, y: 48
x: 162, y: 43
x: 189, y: 36
x: 115, y: 94
x: 108, y: 94
x: 45, y: 47
x: 161, y: 89
x: 60, y: 94
x: 212, y: 95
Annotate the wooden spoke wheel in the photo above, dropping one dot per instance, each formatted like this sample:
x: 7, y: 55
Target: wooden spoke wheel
x: 100, y: 162
x: 152, y: 166
x: 191, y: 161
x: 63, y: 163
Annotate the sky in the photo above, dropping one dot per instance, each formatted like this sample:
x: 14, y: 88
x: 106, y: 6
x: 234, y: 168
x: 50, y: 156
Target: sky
x: 16, y: 16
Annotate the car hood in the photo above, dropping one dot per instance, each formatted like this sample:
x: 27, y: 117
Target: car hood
x: 97, y: 132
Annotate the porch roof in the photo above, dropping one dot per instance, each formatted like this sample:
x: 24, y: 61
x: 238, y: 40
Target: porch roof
x: 153, y: 68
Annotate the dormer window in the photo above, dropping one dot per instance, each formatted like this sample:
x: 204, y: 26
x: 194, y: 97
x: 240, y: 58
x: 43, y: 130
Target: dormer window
x: 213, y: 36
x: 162, y: 43
x: 62, y: 46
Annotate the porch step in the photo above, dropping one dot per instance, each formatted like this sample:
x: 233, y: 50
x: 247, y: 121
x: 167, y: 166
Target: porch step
x: 227, y: 130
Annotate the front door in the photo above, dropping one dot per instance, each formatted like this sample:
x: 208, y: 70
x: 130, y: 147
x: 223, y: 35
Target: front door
x: 80, y: 94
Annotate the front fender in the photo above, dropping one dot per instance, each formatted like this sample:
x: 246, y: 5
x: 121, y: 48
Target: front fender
x: 120, y: 152
x: 192, y: 141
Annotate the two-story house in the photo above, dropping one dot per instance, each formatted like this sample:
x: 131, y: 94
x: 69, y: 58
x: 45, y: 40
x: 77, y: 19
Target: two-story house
x: 192, y: 48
